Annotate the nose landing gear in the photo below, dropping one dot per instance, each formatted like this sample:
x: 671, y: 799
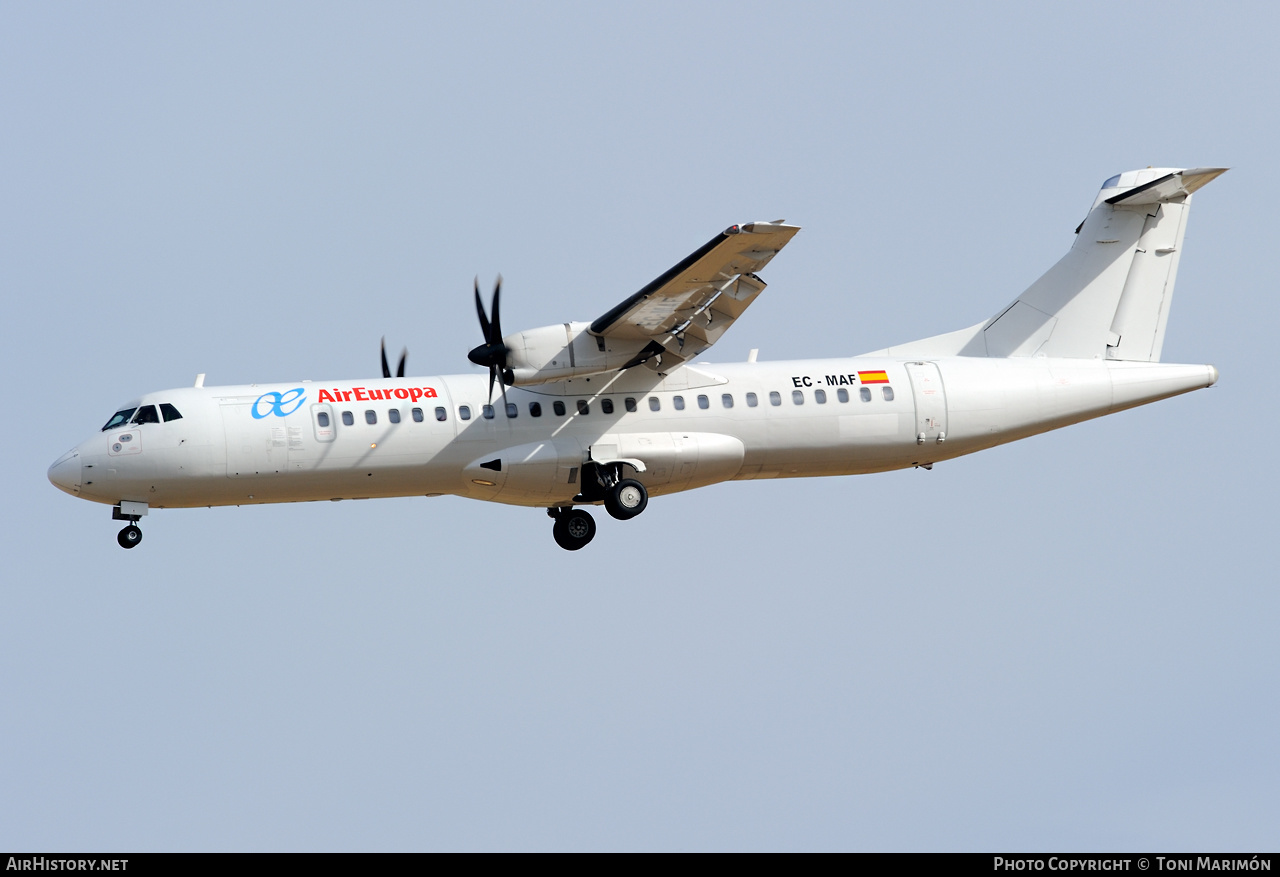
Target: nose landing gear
x: 132, y: 512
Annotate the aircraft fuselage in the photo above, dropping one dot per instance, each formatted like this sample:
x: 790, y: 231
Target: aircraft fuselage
x: 304, y: 441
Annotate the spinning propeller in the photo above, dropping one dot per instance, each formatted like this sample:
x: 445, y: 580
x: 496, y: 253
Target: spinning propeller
x: 492, y: 352
x: 386, y: 369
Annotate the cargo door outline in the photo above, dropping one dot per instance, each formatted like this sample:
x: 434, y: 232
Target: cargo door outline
x: 254, y: 447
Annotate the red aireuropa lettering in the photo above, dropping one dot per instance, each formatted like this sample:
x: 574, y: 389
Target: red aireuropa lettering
x: 362, y: 394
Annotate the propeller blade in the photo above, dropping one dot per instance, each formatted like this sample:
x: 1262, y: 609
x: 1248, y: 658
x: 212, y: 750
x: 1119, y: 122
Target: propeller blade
x: 404, y: 354
x: 492, y: 353
x: 386, y: 369
x: 484, y: 321
x: 496, y: 332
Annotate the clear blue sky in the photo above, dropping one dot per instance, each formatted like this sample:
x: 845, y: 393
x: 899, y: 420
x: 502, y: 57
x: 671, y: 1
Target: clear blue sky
x: 1067, y: 643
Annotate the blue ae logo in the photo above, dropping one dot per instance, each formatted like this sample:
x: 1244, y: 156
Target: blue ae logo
x: 279, y: 404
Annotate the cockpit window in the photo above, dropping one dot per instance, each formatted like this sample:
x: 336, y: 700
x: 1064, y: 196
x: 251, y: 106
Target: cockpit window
x: 169, y: 412
x: 1112, y: 182
x: 146, y: 414
x: 120, y: 418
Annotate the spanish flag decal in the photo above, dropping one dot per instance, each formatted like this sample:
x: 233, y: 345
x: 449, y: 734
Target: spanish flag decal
x: 873, y: 377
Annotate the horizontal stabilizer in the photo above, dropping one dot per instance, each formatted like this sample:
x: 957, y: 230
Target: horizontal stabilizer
x: 1168, y: 187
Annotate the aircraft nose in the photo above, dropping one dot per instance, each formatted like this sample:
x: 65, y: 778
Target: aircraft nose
x: 65, y: 472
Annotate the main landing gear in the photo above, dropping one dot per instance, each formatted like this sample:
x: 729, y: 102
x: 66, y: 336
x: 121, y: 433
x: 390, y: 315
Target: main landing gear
x: 573, y: 528
x: 626, y: 499
x: 623, y: 498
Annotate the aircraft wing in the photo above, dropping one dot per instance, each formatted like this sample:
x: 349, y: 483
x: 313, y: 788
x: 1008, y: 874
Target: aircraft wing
x: 686, y: 310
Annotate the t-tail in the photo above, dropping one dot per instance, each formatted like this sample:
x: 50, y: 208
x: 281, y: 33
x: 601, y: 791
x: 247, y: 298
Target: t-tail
x: 1108, y: 298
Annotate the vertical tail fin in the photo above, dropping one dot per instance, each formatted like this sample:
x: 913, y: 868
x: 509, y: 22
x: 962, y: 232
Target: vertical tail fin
x: 1109, y: 297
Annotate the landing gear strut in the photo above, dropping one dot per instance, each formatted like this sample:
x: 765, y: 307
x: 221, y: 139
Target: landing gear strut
x: 130, y: 536
x: 573, y: 528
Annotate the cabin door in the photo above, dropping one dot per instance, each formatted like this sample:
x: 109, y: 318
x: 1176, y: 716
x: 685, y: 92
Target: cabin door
x: 931, y: 402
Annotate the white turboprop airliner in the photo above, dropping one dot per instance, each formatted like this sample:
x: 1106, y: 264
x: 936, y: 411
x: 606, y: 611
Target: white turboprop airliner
x: 613, y: 412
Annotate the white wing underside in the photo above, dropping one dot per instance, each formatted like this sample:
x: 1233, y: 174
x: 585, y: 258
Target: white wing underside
x: 686, y: 310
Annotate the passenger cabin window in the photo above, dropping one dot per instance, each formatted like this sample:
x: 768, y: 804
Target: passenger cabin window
x: 464, y: 412
x: 704, y: 403
x: 417, y: 415
x: 322, y: 419
x: 558, y: 408
x: 820, y: 396
x: 535, y: 409
x: 583, y: 408
x: 146, y: 414
x: 371, y: 417
x: 513, y: 410
x: 727, y: 400
x: 888, y: 393
x: 487, y: 411
x: 606, y: 405
x: 655, y: 404
x: 169, y: 412
x: 752, y: 401
x: 797, y: 397
x: 843, y: 394
x: 393, y: 415
x: 864, y: 394
x: 678, y: 401
x: 442, y: 414
x: 775, y: 398
x: 120, y: 418
x: 630, y: 404
x: 348, y: 419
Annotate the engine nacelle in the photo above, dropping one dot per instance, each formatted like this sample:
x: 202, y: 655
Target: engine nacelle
x: 563, y: 351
